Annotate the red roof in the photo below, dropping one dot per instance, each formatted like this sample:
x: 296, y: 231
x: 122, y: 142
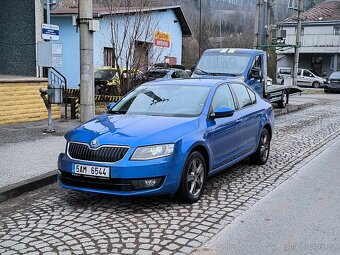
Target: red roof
x: 325, y: 11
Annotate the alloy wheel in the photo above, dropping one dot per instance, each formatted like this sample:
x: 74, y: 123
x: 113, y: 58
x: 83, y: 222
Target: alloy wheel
x: 195, y: 177
x: 264, y: 146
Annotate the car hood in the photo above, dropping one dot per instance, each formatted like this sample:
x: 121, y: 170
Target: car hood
x: 132, y: 130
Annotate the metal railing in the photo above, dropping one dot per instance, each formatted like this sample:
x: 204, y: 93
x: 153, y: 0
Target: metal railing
x: 317, y: 42
x: 59, y: 79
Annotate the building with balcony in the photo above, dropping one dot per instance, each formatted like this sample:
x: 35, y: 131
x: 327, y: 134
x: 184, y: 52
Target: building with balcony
x: 320, y: 39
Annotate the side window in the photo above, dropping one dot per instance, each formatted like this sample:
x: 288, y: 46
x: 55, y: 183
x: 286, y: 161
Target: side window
x: 183, y: 74
x: 252, y: 96
x: 306, y: 73
x: 175, y: 75
x: 223, y: 97
x: 242, y: 95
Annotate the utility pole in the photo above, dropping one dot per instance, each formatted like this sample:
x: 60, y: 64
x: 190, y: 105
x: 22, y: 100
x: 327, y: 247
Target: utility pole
x: 298, y: 42
x: 200, y: 31
x: 49, y: 128
x: 87, y: 106
x: 256, y: 29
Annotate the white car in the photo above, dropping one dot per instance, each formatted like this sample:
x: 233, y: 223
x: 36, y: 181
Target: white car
x: 304, y: 77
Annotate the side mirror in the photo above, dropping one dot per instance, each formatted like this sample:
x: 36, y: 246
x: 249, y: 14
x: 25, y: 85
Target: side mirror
x: 222, y: 112
x: 256, y: 73
x: 110, y: 106
x: 192, y: 69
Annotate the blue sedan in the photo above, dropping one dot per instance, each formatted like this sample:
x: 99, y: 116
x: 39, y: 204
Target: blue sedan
x: 167, y: 137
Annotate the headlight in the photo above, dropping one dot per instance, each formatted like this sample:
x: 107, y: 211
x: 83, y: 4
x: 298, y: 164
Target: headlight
x: 152, y: 152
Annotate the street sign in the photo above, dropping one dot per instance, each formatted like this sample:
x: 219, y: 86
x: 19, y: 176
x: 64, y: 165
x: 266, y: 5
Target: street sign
x: 162, y: 39
x: 50, y: 32
x: 50, y: 54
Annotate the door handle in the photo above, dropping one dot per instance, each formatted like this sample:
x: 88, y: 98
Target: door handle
x: 238, y: 121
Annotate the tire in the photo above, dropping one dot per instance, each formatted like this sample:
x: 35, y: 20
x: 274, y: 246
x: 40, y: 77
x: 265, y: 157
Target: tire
x: 316, y: 84
x: 193, y: 179
x: 261, y: 154
x: 284, y: 100
x: 326, y: 91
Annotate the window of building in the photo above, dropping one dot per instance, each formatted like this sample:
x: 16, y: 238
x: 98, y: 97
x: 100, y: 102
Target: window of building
x: 337, y: 30
x: 109, y: 59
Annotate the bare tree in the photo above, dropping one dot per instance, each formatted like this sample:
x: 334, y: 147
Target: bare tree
x: 132, y: 28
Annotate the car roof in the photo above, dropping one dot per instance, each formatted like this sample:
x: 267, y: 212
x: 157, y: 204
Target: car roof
x: 190, y: 82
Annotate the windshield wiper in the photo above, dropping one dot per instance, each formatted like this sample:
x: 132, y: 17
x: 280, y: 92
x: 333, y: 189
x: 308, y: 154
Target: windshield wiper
x: 215, y: 74
x: 204, y: 72
x: 117, y: 112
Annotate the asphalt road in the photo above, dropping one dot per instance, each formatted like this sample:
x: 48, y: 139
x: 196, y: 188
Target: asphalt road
x: 55, y: 221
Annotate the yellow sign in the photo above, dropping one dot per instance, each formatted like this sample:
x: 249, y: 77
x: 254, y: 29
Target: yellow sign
x: 162, y: 39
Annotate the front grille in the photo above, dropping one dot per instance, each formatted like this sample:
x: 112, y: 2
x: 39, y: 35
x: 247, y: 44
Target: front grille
x: 103, y: 154
x: 112, y: 184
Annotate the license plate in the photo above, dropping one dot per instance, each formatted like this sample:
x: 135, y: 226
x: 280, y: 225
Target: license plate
x: 97, y: 171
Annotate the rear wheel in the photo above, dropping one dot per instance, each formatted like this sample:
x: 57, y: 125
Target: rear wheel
x: 261, y: 155
x: 316, y: 84
x: 193, y: 179
x: 284, y: 100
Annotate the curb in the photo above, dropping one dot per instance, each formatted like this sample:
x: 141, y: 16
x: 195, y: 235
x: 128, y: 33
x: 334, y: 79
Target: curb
x: 17, y: 189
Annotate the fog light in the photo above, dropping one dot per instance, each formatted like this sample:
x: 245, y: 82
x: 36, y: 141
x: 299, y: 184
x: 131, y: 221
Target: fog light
x: 147, y: 183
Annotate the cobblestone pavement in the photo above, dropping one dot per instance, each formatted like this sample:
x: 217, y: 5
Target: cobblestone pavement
x: 54, y: 221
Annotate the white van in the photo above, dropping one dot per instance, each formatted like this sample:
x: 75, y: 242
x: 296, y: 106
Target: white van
x: 304, y: 77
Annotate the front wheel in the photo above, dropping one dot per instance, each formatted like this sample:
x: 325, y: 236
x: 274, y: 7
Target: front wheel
x: 316, y: 84
x: 261, y: 155
x: 193, y: 179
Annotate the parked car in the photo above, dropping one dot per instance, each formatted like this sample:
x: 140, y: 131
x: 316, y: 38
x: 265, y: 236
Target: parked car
x: 304, y: 77
x: 333, y: 83
x: 167, y: 137
x: 107, y: 82
x: 165, y: 72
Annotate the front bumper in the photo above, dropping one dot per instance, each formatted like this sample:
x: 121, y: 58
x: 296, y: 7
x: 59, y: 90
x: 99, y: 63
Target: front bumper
x: 127, y: 178
x: 332, y: 88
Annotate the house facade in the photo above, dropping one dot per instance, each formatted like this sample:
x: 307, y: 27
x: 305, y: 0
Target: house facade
x: 158, y: 40
x: 320, y: 39
x: 20, y: 29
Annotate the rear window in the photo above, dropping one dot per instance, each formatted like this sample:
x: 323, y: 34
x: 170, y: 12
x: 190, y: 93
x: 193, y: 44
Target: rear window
x: 285, y: 71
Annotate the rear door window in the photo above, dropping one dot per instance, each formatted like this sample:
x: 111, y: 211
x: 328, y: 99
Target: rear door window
x: 223, y: 97
x: 242, y: 95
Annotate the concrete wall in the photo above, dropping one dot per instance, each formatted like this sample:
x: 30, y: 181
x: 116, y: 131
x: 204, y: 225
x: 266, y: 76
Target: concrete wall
x: 20, y: 101
x: 69, y: 37
x: 17, y: 37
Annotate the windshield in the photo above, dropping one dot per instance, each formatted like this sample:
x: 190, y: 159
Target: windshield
x: 217, y: 63
x: 335, y: 75
x: 105, y: 74
x: 164, y: 100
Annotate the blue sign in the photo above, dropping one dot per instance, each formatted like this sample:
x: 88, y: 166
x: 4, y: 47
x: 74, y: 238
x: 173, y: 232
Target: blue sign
x: 50, y: 32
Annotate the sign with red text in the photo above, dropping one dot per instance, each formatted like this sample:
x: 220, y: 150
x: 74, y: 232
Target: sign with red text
x: 162, y: 39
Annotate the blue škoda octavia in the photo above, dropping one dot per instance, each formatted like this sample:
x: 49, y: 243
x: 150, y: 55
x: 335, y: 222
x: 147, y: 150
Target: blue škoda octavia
x: 167, y: 137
